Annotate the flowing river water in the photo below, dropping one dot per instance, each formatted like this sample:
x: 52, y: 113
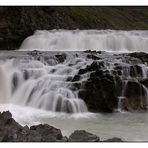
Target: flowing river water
x: 37, y: 91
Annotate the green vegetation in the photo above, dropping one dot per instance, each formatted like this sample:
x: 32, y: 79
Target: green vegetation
x: 16, y: 23
x: 123, y: 18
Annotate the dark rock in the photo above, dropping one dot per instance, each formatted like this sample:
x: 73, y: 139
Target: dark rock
x: 113, y: 140
x: 45, y: 133
x: 92, y: 57
x: 140, y: 55
x: 61, y: 58
x: 16, y: 23
x: 136, y: 98
x: 83, y: 136
x: 144, y: 82
x: 76, y: 78
x: 69, y: 78
x: 136, y: 71
x: 77, y: 85
x: 6, y: 115
x: 99, y: 91
x: 11, y: 131
x: 82, y: 71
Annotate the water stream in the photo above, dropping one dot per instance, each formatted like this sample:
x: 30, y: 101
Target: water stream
x: 39, y: 89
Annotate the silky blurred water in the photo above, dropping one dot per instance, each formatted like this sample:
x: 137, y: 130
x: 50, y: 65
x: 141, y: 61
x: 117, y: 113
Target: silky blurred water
x: 128, y: 126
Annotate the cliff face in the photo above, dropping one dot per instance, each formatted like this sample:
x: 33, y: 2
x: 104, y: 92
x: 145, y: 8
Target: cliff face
x: 16, y: 23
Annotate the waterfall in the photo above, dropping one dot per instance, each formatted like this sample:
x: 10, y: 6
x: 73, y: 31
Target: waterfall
x: 104, y: 40
x: 51, y: 80
x: 132, y: 87
x: 28, y: 82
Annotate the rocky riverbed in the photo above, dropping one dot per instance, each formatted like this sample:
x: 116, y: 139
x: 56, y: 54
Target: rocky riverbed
x: 106, y: 82
x: 109, y: 81
x: 11, y: 131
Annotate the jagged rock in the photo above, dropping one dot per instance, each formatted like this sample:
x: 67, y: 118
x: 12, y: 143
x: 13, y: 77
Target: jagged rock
x: 83, y: 136
x: 60, y: 58
x: 99, y: 90
x: 11, y: 131
x: 76, y: 78
x: 140, y: 55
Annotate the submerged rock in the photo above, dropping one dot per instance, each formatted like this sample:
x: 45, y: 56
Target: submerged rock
x: 83, y: 136
x: 115, y: 139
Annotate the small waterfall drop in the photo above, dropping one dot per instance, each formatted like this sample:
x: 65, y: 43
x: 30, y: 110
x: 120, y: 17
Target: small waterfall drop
x: 132, y: 89
x: 105, y: 40
x: 28, y: 82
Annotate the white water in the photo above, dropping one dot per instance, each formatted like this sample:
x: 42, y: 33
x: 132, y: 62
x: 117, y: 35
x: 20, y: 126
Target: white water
x: 104, y: 40
x: 33, y: 83
x: 36, y: 99
x: 128, y: 126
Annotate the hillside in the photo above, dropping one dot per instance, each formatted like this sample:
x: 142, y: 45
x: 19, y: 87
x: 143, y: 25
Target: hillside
x: 16, y: 23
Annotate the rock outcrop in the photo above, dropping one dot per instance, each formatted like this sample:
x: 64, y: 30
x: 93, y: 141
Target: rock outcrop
x: 114, y: 83
x: 11, y: 131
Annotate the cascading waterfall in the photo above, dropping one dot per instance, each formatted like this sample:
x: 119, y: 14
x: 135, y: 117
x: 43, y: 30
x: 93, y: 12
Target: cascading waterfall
x: 39, y: 85
x: 42, y: 82
x: 105, y: 40
x: 133, y: 74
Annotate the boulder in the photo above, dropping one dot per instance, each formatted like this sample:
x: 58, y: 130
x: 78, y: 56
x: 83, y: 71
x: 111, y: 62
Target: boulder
x: 115, y: 139
x: 83, y: 136
x: 11, y: 131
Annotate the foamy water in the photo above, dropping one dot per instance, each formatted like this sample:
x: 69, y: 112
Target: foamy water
x: 37, y: 91
x: 104, y: 40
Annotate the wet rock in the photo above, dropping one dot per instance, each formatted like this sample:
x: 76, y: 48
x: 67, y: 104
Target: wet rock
x: 83, y: 136
x: 136, y: 71
x: 135, y: 97
x: 140, y: 55
x: 92, y: 57
x: 77, y: 85
x: 60, y: 58
x: 144, y: 82
x: 76, y: 78
x: 82, y: 71
x: 69, y: 78
x: 44, y: 133
x: 11, y: 131
x: 98, y: 91
x: 115, y: 139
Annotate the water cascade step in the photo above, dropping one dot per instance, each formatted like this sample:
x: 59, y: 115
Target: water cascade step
x: 57, y: 75
x: 29, y: 82
x: 107, y: 40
